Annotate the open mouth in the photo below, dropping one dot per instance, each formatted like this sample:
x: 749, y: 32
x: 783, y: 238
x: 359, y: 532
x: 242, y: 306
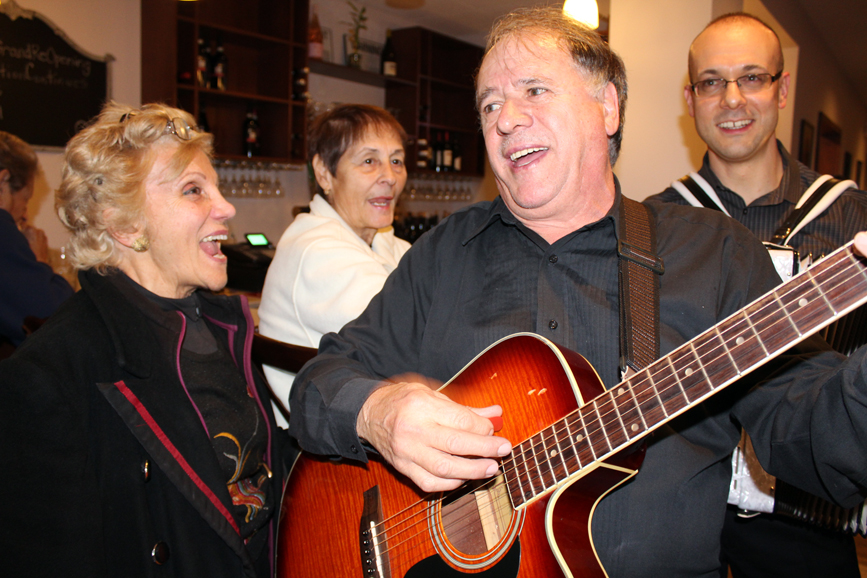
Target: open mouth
x: 211, y: 245
x: 734, y: 124
x: 526, y: 156
x: 381, y: 202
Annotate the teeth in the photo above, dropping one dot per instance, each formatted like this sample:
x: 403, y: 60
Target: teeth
x: 734, y: 124
x: 210, y: 238
x: 525, y: 152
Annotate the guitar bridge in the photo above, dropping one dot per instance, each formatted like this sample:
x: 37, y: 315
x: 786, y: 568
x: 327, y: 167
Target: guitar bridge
x: 372, y: 539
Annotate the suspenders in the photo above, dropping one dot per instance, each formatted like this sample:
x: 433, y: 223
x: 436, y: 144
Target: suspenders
x: 815, y: 200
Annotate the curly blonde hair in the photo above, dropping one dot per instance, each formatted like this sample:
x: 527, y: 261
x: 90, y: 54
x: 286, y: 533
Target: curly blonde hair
x: 104, y: 171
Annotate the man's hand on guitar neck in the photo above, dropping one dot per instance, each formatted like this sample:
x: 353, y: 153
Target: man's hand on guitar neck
x: 434, y: 441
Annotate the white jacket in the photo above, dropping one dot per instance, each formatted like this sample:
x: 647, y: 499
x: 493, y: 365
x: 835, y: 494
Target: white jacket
x: 323, y: 276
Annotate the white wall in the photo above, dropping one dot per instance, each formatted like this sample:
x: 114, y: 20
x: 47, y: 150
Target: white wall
x: 660, y: 143
x: 99, y: 27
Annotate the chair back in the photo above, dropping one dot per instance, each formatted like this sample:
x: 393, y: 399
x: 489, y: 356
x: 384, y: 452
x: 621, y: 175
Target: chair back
x: 282, y: 355
x: 279, y: 354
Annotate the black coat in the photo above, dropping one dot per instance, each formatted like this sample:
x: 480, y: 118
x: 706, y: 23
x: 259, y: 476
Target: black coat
x: 106, y: 469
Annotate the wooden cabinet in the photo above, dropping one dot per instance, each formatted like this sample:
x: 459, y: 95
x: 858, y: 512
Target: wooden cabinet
x: 437, y: 94
x: 264, y: 42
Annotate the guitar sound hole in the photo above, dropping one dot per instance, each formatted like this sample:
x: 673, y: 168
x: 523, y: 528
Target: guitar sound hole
x: 476, y: 521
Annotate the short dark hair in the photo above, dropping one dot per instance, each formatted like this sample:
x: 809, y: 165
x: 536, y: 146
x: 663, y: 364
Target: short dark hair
x: 334, y: 132
x: 18, y: 158
x: 589, y: 51
x: 736, y: 17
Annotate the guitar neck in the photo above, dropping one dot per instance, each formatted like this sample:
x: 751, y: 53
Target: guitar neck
x: 687, y: 376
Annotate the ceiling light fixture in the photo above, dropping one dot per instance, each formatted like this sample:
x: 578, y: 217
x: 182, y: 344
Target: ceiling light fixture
x: 584, y: 11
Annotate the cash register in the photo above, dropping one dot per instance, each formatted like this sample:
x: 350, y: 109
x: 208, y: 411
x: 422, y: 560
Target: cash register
x: 248, y: 261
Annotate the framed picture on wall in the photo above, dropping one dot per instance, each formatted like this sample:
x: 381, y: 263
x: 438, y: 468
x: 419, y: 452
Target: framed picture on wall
x: 805, y: 148
x: 829, y: 149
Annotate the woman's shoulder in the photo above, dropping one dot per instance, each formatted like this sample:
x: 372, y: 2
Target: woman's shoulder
x: 308, y: 228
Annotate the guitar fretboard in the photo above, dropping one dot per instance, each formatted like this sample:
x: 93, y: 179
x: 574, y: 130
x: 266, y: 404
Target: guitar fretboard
x: 688, y: 375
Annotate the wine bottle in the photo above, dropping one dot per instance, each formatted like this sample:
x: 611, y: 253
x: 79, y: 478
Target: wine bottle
x: 218, y: 69
x: 438, y: 153
x: 388, y: 63
x: 457, y: 156
x: 314, y: 38
x: 203, y: 63
x: 300, y: 84
x: 251, y: 133
x: 423, y: 154
x: 448, y: 154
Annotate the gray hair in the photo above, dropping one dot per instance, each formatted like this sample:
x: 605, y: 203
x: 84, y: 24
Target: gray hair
x: 589, y: 51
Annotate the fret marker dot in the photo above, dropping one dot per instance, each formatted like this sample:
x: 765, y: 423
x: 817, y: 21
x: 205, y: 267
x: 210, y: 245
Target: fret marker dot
x: 688, y: 371
x: 579, y: 437
x: 553, y: 453
x: 802, y: 301
x: 621, y: 391
x: 634, y: 427
x: 739, y: 340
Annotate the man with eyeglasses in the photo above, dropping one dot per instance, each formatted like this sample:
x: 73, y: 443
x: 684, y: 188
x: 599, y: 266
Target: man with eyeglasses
x: 738, y: 86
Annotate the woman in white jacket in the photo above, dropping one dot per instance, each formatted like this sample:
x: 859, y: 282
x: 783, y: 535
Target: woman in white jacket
x: 331, y: 261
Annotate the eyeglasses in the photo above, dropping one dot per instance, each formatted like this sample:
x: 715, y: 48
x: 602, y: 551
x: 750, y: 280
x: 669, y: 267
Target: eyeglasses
x: 176, y: 126
x: 748, y: 84
x: 180, y: 128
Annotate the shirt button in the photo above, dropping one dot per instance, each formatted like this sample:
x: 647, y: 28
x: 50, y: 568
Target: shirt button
x: 552, y: 259
x: 745, y: 211
x: 353, y: 449
x: 146, y: 470
x: 552, y: 325
x: 160, y: 553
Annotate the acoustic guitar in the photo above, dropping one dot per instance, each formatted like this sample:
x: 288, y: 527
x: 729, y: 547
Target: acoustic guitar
x: 341, y: 518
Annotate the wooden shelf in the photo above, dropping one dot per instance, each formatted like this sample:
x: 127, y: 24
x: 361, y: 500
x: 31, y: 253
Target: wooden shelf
x: 264, y: 42
x: 353, y: 74
x: 438, y: 94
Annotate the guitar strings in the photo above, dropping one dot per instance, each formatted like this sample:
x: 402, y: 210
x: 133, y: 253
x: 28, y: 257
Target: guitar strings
x: 423, y: 516
x: 681, y: 353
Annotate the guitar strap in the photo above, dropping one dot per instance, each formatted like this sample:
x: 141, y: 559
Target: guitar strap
x: 812, y: 203
x: 639, y: 288
x: 698, y: 192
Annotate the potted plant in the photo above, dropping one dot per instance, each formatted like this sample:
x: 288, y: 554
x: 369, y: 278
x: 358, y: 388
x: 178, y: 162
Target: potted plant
x: 359, y: 17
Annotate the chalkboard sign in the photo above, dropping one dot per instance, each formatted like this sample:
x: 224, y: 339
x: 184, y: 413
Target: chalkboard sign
x: 49, y: 87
